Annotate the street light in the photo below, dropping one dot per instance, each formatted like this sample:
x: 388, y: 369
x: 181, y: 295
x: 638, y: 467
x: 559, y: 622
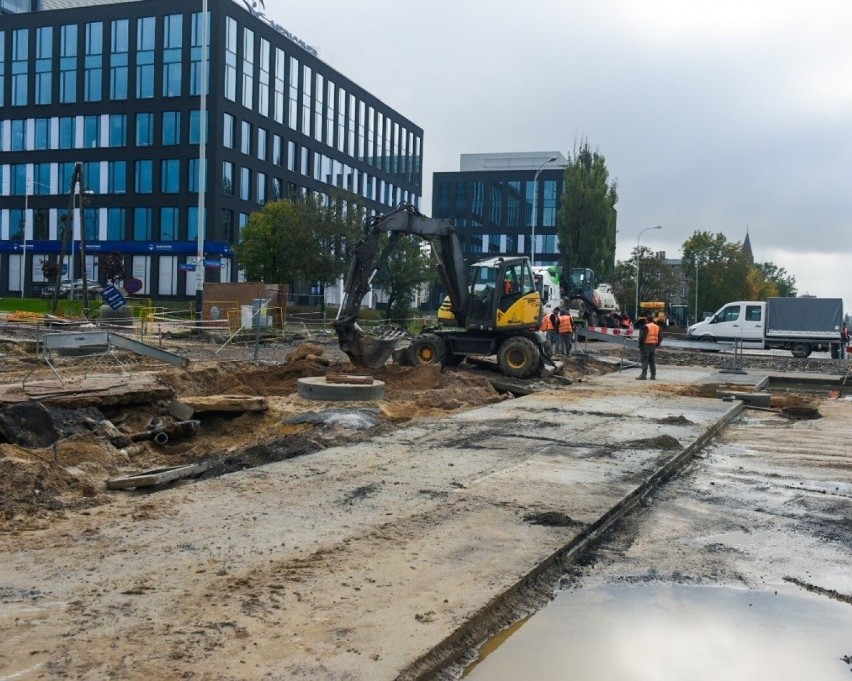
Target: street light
x: 202, y: 166
x: 535, y: 207
x: 636, y: 309
x: 27, y: 184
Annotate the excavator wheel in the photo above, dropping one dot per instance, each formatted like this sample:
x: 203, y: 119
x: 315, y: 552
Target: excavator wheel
x: 518, y: 357
x: 427, y: 349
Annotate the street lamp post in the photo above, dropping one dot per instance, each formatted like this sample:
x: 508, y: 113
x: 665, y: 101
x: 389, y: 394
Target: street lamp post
x: 26, y: 213
x: 638, y: 238
x: 82, y: 195
x: 535, y: 208
x: 202, y: 166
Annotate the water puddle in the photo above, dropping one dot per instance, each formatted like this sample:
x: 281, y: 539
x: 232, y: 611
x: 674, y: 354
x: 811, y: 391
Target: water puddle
x: 651, y: 632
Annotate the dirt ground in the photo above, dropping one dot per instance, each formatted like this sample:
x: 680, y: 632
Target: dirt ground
x: 38, y: 484
x: 53, y: 503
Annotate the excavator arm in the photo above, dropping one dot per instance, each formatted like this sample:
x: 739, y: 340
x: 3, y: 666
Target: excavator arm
x: 374, y: 351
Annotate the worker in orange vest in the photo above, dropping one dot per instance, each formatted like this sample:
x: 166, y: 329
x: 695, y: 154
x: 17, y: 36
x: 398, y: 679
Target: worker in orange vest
x: 550, y: 326
x: 650, y: 337
x: 566, y: 331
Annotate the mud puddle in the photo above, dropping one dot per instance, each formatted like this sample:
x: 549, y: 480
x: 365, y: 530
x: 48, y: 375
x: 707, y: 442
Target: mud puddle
x: 665, y: 632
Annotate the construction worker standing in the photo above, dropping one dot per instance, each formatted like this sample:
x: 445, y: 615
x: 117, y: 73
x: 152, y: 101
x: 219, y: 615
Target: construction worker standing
x: 650, y: 336
x: 566, y: 329
x: 550, y: 325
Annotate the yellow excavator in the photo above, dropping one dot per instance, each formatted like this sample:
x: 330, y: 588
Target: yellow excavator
x: 495, y: 305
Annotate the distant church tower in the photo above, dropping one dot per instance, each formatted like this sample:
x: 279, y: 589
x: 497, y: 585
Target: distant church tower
x: 747, y: 248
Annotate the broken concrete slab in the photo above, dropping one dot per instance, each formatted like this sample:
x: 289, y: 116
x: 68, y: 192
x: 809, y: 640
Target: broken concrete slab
x: 185, y: 408
x: 753, y: 399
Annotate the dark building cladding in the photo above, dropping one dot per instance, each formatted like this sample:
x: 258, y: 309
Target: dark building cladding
x: 117, y: 87
x: 491, y: 200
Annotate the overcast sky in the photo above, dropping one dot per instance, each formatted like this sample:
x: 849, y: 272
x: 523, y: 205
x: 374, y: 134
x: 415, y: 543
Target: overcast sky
x: 712, y: 115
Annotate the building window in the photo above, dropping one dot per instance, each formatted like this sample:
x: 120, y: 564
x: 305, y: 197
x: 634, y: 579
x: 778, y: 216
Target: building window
x: 192, y: 223
x: 263, y: 80
x: 91, y: 132
x: 350, y: 128
x: 68, y: 64
x: 141, y: 224
x: 230, y: 59
x: 261, y: 188
x: 2, y: 67
x: 478, y: 202
x: 496, y: 203
x: 20, y: 62
x: 192, y: 183
x: 329, y: 113
x: 92, y: 176
x: 116, y: 223
x: 172, y: 57
x: 319, y: 106
x: 228, y: 131
x: 119, y: 59
x: 293, y: 99
x: 291, y: 156
x: 145, y: 44
x: 41, y: 185
x: 277, y: 189
x: 117, y: 177
x: 171, y: 128
x: 341, y: 118
x: 261, y: 144
x: 169, y: 223
x: 19, y: 135
x: 278, y: 96
x: 549, y: 205
x: 227, y: 178
x: 144, y: 177
x: 93, y: 76
x: 277, y: 150
x: 144, y: 129
x: 306, y: 99
x: 118, y: 130
x: 248, y: 68
x: 66, y: 172
x: 43, y: 66
x: 195, y: 127
x: 195, y: 55
x: 245, y: 184
x: 170, y: 176
x: 361, y: 130
x: 245, y: 137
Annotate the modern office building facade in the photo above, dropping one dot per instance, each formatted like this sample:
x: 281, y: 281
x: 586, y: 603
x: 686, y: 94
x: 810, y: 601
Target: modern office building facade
x: 117, y: 87
x: 501, y: 202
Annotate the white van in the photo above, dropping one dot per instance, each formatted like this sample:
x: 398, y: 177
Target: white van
x: 800, y: 325
x: 742, y: 320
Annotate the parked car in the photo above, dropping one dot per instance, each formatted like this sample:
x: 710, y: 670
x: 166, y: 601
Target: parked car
x: 95, y: 289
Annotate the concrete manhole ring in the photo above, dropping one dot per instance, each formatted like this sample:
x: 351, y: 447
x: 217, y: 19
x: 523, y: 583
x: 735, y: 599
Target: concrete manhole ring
x: 316, y: 388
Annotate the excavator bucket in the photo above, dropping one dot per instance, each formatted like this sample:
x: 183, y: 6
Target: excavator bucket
x: 373, y: 350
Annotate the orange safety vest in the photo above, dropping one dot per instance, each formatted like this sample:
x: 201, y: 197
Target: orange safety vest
x: 566, y: 324
x: 653, y: 337
x: 546, y: 323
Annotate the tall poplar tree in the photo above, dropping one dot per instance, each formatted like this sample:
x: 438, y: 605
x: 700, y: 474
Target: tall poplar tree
x: 587, y: 215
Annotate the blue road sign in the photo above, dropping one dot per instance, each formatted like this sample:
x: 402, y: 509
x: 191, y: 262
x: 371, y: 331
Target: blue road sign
x: 112, y: 297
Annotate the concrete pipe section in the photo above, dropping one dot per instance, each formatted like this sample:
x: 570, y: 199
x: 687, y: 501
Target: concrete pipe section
x: 317, y: 388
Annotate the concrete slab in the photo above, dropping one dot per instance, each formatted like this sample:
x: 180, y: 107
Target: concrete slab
x: 374, y: 561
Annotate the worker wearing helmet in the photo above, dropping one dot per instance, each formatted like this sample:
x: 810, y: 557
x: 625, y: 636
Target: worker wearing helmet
x: 650, y: 337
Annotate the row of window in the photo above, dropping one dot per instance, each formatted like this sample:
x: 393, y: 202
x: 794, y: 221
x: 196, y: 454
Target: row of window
x: 502, y: 204
x: 291, y: 93
x: 99, y: 60
x: 121, y: 60
x: 100, y: 131
x: 166, y: 223
x: 495, y: 244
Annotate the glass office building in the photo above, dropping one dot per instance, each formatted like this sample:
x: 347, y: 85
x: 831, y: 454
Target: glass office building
x: 492, y: 198
x: 116, y: 87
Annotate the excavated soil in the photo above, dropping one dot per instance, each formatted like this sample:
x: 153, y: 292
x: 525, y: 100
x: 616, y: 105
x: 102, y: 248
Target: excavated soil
x: 38, y: 483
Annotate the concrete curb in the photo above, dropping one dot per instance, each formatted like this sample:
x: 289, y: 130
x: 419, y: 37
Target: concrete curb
x: 536, y: 587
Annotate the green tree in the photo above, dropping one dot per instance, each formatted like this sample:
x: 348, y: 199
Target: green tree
x: 587, y: 216
x: 407, y: 268
x: 722, y: 267
x: 299, y: 239
x: 659, y: 279
x: 784, y: 285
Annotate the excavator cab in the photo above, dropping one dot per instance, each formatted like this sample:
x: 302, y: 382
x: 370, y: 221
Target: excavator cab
x: 503, y: 295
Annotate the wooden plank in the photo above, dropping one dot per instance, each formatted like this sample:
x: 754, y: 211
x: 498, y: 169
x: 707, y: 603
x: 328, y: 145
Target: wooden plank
x: 158, y: 476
